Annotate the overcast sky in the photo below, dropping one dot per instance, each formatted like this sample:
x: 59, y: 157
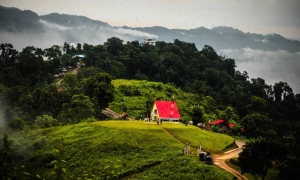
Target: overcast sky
x: 255, y: 16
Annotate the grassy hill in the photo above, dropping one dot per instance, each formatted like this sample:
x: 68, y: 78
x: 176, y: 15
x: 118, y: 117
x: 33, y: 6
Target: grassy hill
x: 120, y: 149
x: 136, y: 98
x: 132, y: 96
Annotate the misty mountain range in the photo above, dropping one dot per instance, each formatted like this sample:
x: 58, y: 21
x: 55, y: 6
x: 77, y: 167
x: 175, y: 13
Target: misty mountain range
x: 14, y: 20
x: 271, y: 56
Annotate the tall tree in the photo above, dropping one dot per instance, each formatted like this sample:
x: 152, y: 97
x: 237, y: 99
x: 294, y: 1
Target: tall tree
x: 8, y: 57
x: 114, y: 46
x: 100, y: 89
x: 79, y: 108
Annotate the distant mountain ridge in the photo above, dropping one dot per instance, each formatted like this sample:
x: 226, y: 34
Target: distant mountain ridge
x: 73, y: 28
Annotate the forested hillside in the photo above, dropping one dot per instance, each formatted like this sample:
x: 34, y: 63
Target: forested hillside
x: 206, y: 84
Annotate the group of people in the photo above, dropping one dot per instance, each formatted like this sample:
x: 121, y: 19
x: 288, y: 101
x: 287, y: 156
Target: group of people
x: 187, y: 149
x: 202, y: 126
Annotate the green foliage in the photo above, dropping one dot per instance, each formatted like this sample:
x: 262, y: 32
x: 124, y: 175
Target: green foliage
x: 197, y: 113
x: 45, y: 121
x: 17, y: 124
x: 257, y: 156
x: 58, y: 169
x: 8, y: 56
x: 80, y: 108
x: 289, y: 167
x: 9, y: 168
x: 114, y: 45
x: 215, y: 128
x: 70, y: 80
x: 100, y: 89
x: 88, y: 72
x: 210, y: 141
x: 257, y: 104
x: 200, y: 80
x: 185, y: 167
x: 114, y: 149
x: 257, y: 125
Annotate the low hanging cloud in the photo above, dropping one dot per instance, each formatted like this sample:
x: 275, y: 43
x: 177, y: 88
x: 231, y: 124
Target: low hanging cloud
x: 134, y: 33
x: 54, y: 25
x: 53, y: 34
x: 273, y: 66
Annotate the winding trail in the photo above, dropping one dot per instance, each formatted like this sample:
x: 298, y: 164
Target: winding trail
x: 219, y: 160
x: 75, y: 71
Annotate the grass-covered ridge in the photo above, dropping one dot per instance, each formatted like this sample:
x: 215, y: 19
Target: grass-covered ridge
x: 210, y: 141
x: 127, y: 147
x: 134, y: 97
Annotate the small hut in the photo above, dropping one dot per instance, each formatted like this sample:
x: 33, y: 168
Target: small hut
x: 124, y: 116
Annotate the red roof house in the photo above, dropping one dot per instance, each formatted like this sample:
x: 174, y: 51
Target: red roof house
x: 166, y: 111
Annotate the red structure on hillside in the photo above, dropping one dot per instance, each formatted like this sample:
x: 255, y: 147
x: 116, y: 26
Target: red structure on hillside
x: 165, y: 110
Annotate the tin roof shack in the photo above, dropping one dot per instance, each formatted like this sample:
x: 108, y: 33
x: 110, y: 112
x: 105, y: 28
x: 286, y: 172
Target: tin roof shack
x: 124, y: 116
x: 223, y: 126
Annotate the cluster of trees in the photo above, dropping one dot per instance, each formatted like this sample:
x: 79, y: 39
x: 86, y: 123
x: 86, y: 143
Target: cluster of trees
x: 268, y: 113
x: 27, y: 88
x: 29, y: 95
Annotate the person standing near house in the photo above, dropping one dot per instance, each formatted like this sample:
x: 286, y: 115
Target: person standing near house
x: 160, y: 121
x: 157, y: 121
x: 198, y: 150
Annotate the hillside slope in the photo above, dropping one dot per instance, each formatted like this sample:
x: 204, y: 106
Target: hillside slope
x: 112, y: 148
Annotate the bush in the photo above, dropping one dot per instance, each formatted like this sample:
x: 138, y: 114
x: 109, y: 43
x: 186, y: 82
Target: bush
x: 91, y: 119
x: 17, y: 124
x: 45, y: 121
x: 215, y: 128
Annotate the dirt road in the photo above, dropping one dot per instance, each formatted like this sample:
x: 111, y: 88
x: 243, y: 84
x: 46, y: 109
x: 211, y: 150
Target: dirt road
x: 220, y: 160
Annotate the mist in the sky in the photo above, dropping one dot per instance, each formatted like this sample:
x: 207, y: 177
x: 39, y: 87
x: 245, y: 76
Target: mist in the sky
x: 54, y: 34
x: 273, y: 66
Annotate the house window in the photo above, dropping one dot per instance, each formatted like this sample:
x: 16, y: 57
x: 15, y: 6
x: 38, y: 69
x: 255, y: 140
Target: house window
x: 155, y: 111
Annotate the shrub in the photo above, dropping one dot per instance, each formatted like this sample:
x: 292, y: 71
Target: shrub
x: 17, y: 124
x: 45, y: 121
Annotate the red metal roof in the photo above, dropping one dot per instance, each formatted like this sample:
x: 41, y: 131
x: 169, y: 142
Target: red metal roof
x: 231, y: 125
x: 123, y: 115
x: 218, y: 122
x: 164, y: 109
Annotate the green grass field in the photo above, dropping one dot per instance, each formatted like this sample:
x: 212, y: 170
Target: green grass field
x: 210, y: 141
x: 120, y: 148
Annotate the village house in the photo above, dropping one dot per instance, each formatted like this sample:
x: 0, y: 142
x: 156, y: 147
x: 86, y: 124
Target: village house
x: 166, y: 111
x: 149, y: 41
x: 80, y: 57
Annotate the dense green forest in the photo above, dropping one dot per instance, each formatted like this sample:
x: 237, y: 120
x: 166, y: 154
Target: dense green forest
x: 206, y: 83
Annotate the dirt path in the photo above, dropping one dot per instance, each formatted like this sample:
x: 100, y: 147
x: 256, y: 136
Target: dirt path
x: 170, y: 132
x: 75, y: 71
x: 220, y: 160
